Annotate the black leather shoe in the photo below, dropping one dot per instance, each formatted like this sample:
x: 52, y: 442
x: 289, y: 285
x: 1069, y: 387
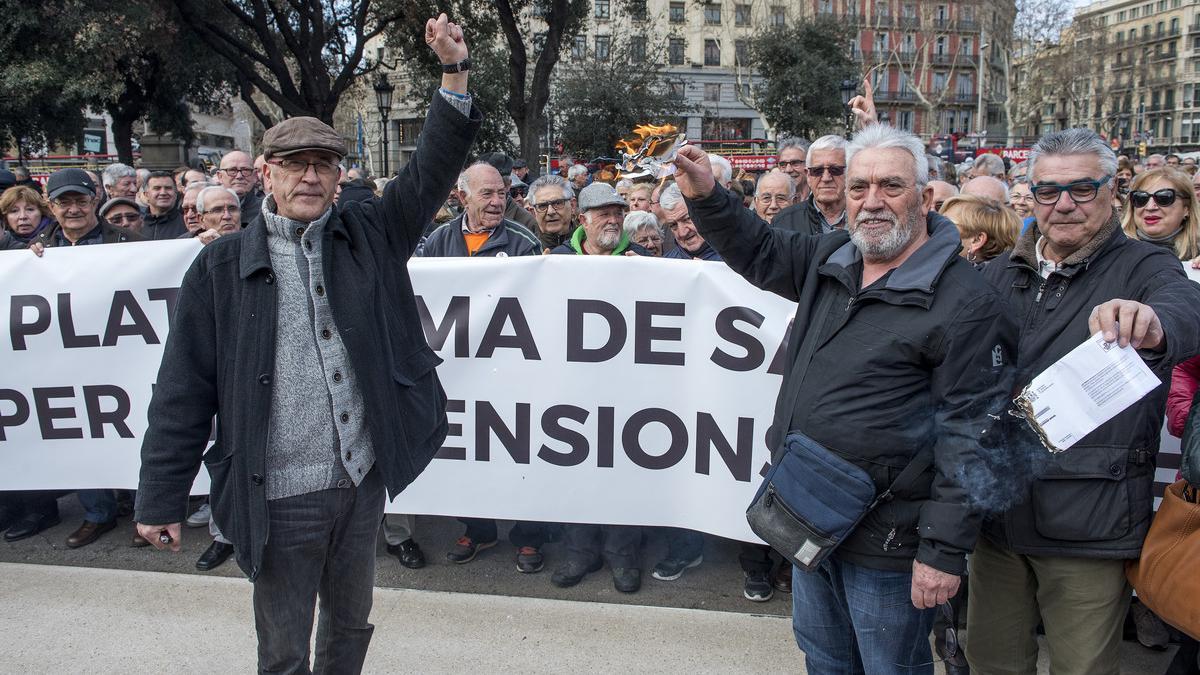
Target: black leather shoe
x: 408, y: 553
x: 573, y: 571
x: 30, y: 524
x: 627, y: 579
x: 216, y: 554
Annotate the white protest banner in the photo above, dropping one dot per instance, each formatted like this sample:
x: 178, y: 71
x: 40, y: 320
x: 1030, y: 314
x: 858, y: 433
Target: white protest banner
x: 608, y: 390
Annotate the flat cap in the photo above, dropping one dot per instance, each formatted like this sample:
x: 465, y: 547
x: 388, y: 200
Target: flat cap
x: 599, y: 194
x: 501, y: 161
x: 114, y: 202
x: 297, y: 134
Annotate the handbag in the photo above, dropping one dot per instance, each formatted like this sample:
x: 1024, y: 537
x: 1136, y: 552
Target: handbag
x: 812, y: 499
x: 1165, y: 576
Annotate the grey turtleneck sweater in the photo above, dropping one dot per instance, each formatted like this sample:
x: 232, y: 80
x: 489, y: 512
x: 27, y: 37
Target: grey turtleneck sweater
x: 316, y: 438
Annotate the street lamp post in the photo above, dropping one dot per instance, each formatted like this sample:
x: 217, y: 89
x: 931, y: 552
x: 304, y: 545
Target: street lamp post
x: 383, y: 98
x: 981, y: 119
x: 848, y: 87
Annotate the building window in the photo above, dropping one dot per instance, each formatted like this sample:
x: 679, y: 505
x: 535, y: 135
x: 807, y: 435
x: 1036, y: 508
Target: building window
x: 637, y: 48
x: 676, y: 12
x: 539, y: 42
x: 1174, y: 25
x: 726, y: 128
x: 940, y: 46
x: 939, y: 81
x: 741, y: 15
x: 826, y: 7
x: 602, y: 45
x: 965, y: 85
x: 741, y: 52
x: 778, y: 16
x: 712, y: 91
x: 909, y: 11
x: 579, y: 47
x: 883, y: 9
x: 712, y: 14
x: 881, y: 42
x: 967, y: 14
x: 603, y: 9
x: 712, y: 53
x: 637, y: 9
x: 966, y: 46
x: 906, y: 120
x: 677, y: 90
x: 675, y: 49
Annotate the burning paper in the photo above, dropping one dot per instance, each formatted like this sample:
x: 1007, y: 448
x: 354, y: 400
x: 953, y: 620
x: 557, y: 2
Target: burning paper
x: 650, y: 151
x: 1092, y: 384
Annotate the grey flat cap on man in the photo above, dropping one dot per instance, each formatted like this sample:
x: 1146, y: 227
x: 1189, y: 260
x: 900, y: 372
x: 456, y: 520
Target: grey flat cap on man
x: 599, y: 194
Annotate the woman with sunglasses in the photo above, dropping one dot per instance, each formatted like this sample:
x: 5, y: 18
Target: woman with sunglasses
x: 1162, y: 210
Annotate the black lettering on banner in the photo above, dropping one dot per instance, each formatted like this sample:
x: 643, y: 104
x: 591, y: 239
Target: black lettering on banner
x: 617, y: 331
x: 20, y: 413
x: 632, y: 442
x: 708, y: 435
x: 18, y: 328
x: 488, y: 422
x: 47, y: 415
x: 454, y: 430
x: 66, y: 324
x: 645, y: 333
x: 605, y: 433
x: 168, y: 296
x: 457, y: 318
x: 124, y: 303
x: 728, y: 331
x: 553, y: 428
x: 508, y: 309
x: 97, y: 418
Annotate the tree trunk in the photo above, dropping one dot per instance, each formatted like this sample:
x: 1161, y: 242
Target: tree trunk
x: 122, y: 128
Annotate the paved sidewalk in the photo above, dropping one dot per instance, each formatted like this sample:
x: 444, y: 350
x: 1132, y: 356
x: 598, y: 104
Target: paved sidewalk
x: 73, y: 619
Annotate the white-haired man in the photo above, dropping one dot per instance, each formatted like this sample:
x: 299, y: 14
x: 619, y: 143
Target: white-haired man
x: 893, y: 362
x: 722, y: 170
x: 773, y: 193
x: 825, y: 208
x: 553, y: 204
x: 578, y: 175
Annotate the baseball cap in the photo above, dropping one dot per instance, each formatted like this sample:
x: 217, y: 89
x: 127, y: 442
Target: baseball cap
x: 70, y: 180
x: 297, y: 134
x: 599, y: 194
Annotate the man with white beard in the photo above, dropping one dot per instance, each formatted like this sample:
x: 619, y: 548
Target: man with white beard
x: 602, y: 211
x: 897, y: 361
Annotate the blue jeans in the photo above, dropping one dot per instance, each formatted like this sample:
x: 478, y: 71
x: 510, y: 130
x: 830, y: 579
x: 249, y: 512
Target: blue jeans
x: 99, y: 506
x: 321, y: 545
x: 854, y: 620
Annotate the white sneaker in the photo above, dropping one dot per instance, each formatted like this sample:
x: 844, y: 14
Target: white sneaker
x: 200, y: 517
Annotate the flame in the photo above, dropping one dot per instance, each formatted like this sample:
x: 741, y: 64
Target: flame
x: 648, y: 140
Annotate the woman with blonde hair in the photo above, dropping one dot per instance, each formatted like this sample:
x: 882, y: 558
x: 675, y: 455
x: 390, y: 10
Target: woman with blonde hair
x: 987, y: 227
x: 1162, y: 210
x: 25, y: 213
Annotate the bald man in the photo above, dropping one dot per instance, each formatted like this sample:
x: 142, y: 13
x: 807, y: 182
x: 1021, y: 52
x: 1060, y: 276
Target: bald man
x: 988, y: 187
x: 939, y: 192
x: 237, y: 173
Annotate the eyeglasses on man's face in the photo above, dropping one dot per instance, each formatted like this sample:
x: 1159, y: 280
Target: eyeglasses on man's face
x: 1081, y: 191
x: 324, y: 168
x: 555, y: 204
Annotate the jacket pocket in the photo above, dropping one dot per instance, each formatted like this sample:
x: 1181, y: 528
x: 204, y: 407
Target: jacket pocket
x: 1082, y: 507
x: 221, y: 497
x: 421, y: 397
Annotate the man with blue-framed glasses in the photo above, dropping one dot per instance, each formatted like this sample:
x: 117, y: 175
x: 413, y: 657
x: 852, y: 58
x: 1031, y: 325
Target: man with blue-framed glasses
x: 1058, y: 556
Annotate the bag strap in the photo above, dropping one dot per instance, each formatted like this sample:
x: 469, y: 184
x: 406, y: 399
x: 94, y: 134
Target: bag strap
x: 915, y: 468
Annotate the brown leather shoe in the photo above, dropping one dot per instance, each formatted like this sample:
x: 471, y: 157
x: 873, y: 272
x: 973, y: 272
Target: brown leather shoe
x: 89, y: 532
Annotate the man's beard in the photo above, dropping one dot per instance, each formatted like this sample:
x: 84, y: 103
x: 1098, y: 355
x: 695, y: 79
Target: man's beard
x: 608, y: 240
x: 885, y: 246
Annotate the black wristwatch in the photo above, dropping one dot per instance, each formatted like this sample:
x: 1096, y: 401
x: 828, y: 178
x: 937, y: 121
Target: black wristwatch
x: 460, y: 67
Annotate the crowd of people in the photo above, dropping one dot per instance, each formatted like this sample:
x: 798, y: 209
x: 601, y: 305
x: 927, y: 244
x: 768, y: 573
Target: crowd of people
x: 1069, y: 240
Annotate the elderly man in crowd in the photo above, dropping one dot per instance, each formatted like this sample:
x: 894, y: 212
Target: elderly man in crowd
x: 578, y: 175
x: 921, y: 390
x: 989, y: 164
x: 483, y: 231
x: 553, y: 203
x: 1058, y: 557
x: 220, y: 209
x: 1155, y: 161
x: 120, y: 180
x: 73, y: 196
x: 722, y: 170
x: 164, y: 219
x: 691, y: 246
x: 187, y: 206
x: 237, y: 173
x: 512, y: 208
x: 328, y: 400
x: 792, y: 152
x: 773, y: 193
x: 122, y: 212
x: 587, y: 546
x: 987, y: 187
x: 939, y: 191
x: 825, y: 208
